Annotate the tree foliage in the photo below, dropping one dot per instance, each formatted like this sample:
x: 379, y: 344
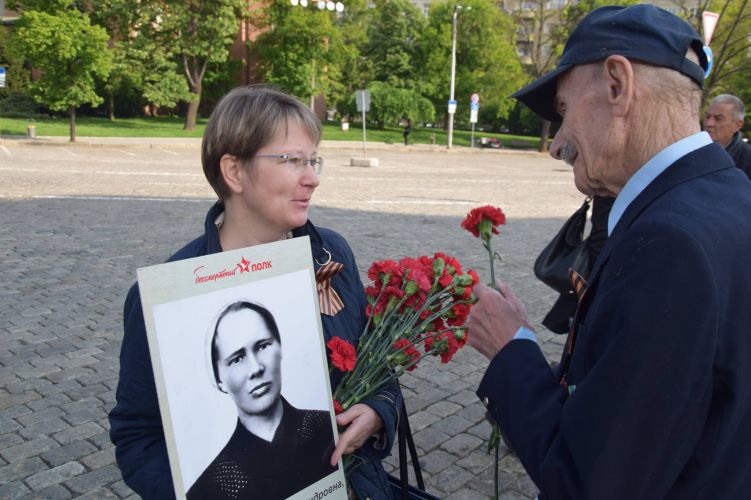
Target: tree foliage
x: 301, y: 50
x: 17, y: 77
x: 486, y: 59
x: 190, y: 34
x: 390, y: 52
x: 389, y: 105
x: 70, y: 53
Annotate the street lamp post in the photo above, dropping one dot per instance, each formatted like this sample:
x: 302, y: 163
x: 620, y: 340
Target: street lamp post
x: 453, y: 75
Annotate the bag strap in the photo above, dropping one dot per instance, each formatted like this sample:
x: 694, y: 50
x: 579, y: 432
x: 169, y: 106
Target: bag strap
x: 406, y: 440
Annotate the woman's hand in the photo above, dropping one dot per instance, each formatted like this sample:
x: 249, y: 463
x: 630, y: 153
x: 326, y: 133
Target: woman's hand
x: 361, y: 422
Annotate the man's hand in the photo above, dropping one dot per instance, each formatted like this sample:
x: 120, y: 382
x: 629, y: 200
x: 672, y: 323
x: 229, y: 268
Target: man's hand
x: 361, y: 422
x: 495, y: 318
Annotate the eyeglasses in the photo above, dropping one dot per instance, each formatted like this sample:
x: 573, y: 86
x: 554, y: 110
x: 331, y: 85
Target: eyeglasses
x: 297, y: 162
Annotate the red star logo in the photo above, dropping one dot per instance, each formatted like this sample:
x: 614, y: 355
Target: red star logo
x: 244, y: 266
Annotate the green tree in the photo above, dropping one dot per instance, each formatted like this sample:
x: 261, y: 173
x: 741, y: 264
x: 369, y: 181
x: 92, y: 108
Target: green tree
x: 389, y: 105
x: 390, y: 53
x: 300, y: 50
x: 70, y: 53
x: 352, y: 26
x: 486, y: 59
x: 17, y: 77
x: 190, y: 34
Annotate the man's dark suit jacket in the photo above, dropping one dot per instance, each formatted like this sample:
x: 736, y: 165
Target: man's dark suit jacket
x: 659, y: 396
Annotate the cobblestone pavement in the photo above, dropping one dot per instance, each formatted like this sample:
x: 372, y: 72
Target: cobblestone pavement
x: 77, y: 221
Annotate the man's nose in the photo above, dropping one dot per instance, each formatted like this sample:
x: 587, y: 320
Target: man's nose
x: 556, y: 146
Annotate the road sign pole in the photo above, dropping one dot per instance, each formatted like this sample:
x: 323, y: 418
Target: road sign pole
x: 472, y: 138
x: 363, y: 132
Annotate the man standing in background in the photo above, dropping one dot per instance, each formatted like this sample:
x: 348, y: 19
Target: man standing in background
x: 724, y: 120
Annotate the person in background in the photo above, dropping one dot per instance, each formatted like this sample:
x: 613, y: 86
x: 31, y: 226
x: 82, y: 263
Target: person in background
x: 723, y: 121
x: 407, y: 131
x: 260, y: 155
x: 652, y: 397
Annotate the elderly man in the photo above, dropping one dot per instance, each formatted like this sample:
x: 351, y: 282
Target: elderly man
x: 652, y: 398
x: 724, y: 120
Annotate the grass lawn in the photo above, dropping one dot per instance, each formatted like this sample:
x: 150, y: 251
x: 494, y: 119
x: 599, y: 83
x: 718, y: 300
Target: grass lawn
x: 101, y: 127
x: 173, y: 127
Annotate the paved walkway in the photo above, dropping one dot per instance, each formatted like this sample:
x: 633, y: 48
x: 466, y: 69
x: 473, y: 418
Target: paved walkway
x: 77, y: 220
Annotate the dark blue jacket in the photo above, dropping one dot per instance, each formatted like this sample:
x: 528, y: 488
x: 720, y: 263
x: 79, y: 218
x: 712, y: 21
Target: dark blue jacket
x: 135, y: 422
x: 658, y: 404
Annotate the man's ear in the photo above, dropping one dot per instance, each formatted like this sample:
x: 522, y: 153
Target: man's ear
x: 618, y: 74
x: 232, y: 171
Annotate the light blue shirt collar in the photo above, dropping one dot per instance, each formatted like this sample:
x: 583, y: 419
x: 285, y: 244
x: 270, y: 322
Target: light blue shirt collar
x: 649, y: 172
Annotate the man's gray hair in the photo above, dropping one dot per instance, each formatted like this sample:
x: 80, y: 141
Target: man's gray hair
x: 739, y: 111
x: 244, y: 121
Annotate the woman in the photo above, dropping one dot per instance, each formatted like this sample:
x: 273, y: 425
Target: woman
x: 259, y: 154
x: 271, y: 436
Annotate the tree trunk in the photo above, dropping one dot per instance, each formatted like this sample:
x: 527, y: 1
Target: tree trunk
x: 72, y: 116
x: 111, y: 106
x: 544, y: 133
x: 191, y: 116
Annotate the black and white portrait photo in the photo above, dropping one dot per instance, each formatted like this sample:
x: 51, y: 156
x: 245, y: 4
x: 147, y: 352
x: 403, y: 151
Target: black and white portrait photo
x: 247, y: 389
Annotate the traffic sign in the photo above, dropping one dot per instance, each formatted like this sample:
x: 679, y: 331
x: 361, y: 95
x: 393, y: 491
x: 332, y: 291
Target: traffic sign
x: 2, y: 77
x: 475, y: 99
x: 709, y: 23
x: 452, y: 106
x: 473, y: 115
x: 362, y: 98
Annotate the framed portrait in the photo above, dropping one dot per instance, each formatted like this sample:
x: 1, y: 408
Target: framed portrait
x: 240, y: 368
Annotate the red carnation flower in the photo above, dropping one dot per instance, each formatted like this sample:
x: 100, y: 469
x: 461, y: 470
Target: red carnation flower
x: 451, y: 347
x: 481, y: 221
x: 343, y: 354
x: 445, y: 280
x: 408, y: 355
x: 338, y: 408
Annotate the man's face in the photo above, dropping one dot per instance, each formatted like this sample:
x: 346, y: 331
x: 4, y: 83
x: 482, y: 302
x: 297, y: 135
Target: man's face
x: 249, y: 362
x: 585, y: 139
x: 720, y: 123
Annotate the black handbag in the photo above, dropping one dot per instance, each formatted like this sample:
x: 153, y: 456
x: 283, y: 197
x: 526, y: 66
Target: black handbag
x: 400, y: 487
x: 567, y: 250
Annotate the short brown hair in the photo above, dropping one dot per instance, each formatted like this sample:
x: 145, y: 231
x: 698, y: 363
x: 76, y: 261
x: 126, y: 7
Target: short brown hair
x: 245, y: 120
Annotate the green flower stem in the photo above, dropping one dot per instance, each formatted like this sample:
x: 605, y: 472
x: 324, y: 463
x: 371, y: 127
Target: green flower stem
x: 486, y: 244
x: 372, y: 371
x: 495, y: 472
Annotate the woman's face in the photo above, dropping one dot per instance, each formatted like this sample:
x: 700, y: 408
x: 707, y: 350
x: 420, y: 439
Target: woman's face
x: 249, y: 362
x: 277, y: 195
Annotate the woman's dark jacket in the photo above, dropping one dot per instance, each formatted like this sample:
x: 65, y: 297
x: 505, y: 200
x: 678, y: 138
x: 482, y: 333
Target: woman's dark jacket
x: 135, y: 422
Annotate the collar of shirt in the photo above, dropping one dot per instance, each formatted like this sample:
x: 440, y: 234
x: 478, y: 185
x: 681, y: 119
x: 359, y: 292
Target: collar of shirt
x: 650, y: 170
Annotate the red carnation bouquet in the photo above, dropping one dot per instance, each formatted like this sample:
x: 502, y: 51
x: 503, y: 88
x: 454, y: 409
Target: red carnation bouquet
x: 416, y: 307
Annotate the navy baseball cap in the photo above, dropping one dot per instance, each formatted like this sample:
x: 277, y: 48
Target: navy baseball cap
x: 640, y: 32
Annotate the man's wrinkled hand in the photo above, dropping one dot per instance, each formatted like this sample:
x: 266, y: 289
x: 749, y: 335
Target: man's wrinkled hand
x: 495, y: 318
